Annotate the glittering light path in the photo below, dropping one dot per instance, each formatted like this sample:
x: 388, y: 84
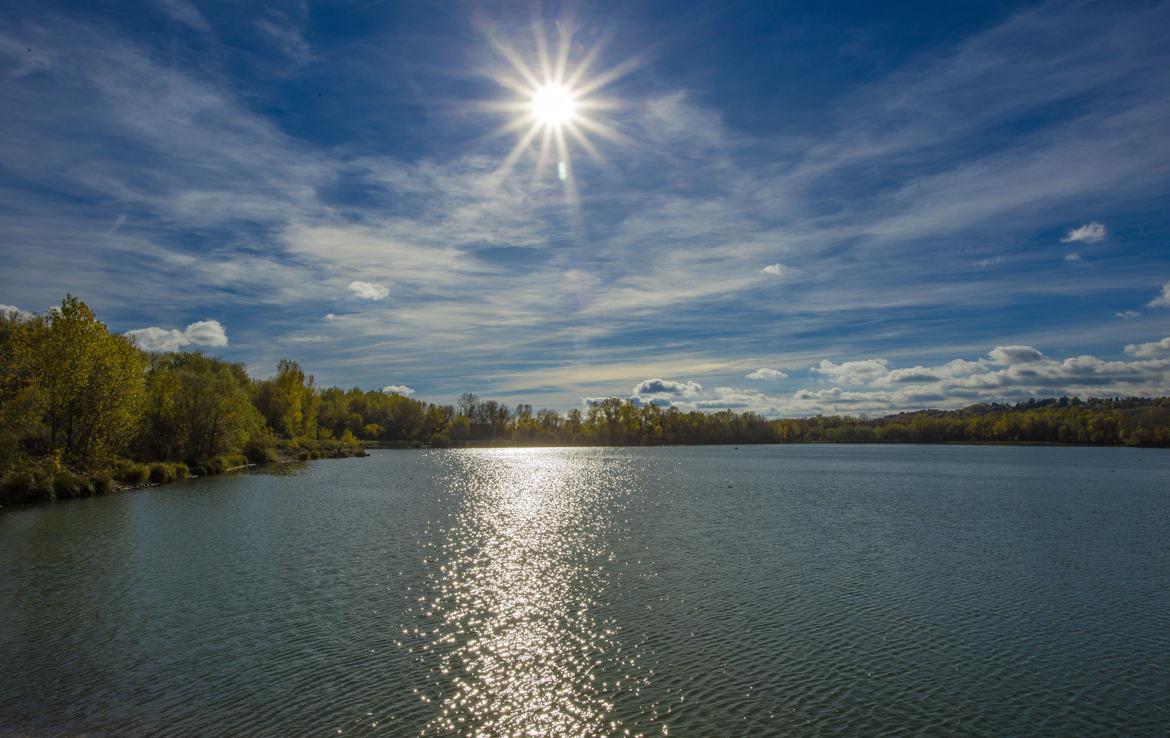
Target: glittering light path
x: 514, y: 638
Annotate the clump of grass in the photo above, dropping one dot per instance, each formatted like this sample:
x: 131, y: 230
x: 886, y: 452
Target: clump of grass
x: 131, y: 473
x: 260, y: 448
x: 67, y: 485
x: 161, y: 473
x: 27, y: 484
x: 218, y: 464
x: 261, y: 454
x: 103, y: 484
x: 208, y: 467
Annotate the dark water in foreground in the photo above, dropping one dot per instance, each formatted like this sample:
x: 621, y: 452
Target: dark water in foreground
x: 782, y: 590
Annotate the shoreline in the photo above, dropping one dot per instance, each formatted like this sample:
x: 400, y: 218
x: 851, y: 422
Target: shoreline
x: 40, y: 486
x: 518, y: 444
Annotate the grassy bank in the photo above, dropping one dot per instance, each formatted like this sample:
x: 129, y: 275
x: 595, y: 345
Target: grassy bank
x: 48, y: 481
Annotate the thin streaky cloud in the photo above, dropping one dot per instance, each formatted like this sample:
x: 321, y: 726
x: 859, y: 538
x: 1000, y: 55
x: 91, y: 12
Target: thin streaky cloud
x: 914, y: 213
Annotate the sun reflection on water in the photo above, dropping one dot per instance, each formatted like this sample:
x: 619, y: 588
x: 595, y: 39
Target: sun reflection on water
x: 517, y: 640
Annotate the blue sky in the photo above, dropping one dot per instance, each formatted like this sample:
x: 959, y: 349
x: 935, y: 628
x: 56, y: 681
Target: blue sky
x: 786, y: 207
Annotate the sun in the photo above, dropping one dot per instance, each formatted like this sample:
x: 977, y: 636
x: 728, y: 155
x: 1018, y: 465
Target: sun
x: 553, y: 106
x: 556, y: 104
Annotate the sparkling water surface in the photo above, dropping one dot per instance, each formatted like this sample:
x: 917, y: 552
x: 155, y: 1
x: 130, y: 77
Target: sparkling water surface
x: 765, y: 590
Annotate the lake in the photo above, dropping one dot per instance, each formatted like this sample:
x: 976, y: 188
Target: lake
x: 765, y: 590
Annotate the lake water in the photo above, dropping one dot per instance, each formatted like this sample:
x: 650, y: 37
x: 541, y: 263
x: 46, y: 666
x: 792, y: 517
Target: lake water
x: 768, y: 590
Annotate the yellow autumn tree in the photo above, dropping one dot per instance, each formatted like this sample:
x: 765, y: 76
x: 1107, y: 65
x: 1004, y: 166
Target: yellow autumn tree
x: 89, y: 382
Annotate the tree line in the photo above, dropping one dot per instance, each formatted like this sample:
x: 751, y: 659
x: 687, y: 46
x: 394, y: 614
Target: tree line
x: 82, y: 409
x: 1132, y: 421
x: 1128, y: 421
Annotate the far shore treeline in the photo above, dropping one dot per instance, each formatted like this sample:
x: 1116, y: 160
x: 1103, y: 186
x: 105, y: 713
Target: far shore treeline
x: 84, y: 411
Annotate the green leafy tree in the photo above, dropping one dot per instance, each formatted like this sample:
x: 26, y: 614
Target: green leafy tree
x: 21, y: 398
x: 197, y: 408
x: 91, y: 382
x: 288, y: 401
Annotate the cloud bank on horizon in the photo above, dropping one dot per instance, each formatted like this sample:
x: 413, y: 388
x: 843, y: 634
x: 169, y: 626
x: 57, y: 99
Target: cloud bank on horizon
x: 848, y: 213
x: 874, y: 387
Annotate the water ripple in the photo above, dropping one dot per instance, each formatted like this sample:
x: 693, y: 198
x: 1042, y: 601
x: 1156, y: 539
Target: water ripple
x: 713, y: 591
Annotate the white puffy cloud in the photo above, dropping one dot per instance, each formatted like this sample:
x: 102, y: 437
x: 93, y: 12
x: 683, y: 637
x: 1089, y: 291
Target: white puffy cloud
x: 1128, y: 315
x: 1154, y: 350
x: 644, y: 401
x: 854, y: 372
x: 398, y: 389
x: 835, y: 395
x: 731, y: 398
x: 205, y: 333
x: 368, y: 290
x: 921, y: 374
x: 766, y: 373
x: 330, y: 316
x: 1008, y: 374
x: 1011, y: 355
x: 664, y: 392
x: 1082, y: 376
x: 875, y: 386
x: 1162, y: 300
x: 773, y: 269
x: 201, y: 333
x: 13, y: 310
x: 658, y: 386
x: 1088, y: 233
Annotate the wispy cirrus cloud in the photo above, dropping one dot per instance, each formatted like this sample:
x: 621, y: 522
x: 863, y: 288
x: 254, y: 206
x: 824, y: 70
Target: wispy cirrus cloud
x: 286, y: 35
x: 911, y: 180
x: 184, y: 12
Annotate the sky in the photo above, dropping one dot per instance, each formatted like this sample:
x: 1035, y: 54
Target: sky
x: 785, y: 207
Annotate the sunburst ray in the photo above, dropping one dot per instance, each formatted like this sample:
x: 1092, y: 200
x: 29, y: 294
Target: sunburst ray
x: 556, y: 109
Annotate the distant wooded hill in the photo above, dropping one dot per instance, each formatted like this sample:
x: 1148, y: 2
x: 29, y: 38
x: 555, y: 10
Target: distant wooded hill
x: 1125, y: 421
